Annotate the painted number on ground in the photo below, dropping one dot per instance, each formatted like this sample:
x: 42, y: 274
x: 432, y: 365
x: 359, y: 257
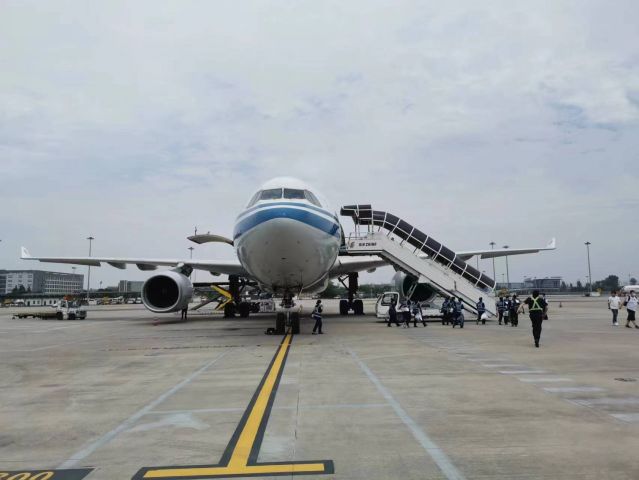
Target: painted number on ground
x: 74, y: 474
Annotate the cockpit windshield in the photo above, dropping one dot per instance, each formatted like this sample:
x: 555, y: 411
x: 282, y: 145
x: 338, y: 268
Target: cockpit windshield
x: 271, y: 194
x: 294, y: 194
x: 287, y: 193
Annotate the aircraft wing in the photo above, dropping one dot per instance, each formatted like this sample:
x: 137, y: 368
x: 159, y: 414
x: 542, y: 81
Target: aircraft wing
x: 345, y: 264
x: 505, y: 251
x: 215, y: 267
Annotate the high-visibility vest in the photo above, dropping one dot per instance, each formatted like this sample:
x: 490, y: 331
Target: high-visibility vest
x: 535, y: 306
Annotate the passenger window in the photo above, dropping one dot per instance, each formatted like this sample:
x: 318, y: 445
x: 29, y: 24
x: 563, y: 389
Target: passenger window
x: 312, y: 198
x: 294, y: 194
x: 271, y: 194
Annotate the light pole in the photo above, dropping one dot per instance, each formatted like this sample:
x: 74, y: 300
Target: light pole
x: 90, y: 239
x: 587, y: 244
x: 191, y: 249
x: 492, y: 247
x: 507, y: 274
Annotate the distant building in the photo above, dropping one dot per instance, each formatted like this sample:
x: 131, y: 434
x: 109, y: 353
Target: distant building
x: 547, y: 284
x: 40, y: 281
x: 128, y: 286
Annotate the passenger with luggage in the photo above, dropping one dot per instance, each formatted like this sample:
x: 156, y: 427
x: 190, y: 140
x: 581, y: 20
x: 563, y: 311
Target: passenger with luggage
x: 500, y: 309
x: 418, y: 314
x: 506, y: 311
x: 515, y: 303
x: 631, y: 303
x: 404, y: 310
x: 481, y: 310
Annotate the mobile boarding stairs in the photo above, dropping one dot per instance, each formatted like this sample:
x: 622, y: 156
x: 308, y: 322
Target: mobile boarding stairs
x: 415, y: 253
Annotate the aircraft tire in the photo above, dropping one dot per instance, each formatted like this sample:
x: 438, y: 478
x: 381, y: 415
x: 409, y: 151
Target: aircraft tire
x: 343, y: 307
x: 244, y: 309
x: 358, y: 307
x: 59, y: 316
x: 280, y: 323
x: 229, y: 310
x: 295, y: 323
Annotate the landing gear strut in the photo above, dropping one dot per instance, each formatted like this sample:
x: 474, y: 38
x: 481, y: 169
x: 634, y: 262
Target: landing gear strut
x: 236, y: 286
x: 352, y: 303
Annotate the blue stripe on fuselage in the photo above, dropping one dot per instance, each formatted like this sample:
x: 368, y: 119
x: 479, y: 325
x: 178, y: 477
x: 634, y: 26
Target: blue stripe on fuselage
x: 306, y: 216
x: 291, y: 204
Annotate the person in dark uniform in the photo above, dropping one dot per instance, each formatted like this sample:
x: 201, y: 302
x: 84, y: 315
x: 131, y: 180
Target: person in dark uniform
x: 514, y: 310
x: 405, y: 309
x: 458, y: 312
x: 500, y: 309
x: 481, y: 309
x: 317, y: 315
x: 184, y: 313
x: 506, y: 310
x: 536, y: 309
x: 444, y: 311
x: 392, y: 314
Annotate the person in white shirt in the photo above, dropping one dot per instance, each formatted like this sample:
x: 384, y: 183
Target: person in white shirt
x: 631, y: 305
x: 614, y: 302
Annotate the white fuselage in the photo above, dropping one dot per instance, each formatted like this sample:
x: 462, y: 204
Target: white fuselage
x: 287, y: 245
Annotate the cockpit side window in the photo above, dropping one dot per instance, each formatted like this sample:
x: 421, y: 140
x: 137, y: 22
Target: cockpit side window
x: 271, y: 194
x: 254, y: 199
x: 312, y: 198
x: 294, y: 194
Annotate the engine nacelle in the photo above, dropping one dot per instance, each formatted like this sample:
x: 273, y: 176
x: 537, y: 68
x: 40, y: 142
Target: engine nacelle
x: 167, y: 292
x: 404, y: 283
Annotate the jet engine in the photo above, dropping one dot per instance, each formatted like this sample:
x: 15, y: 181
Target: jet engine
x: 421, y: 292
x: 167, y: 292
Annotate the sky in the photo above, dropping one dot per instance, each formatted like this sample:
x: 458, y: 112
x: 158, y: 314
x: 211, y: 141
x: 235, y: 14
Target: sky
x: 134, y: 122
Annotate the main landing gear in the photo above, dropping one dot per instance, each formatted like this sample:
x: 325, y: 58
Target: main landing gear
x: 351, y: 304
x: 237, y: 306
x: 287, y: 318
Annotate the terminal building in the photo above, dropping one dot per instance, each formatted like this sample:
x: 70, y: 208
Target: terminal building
x: 40, y: 282
x: 128, y: 286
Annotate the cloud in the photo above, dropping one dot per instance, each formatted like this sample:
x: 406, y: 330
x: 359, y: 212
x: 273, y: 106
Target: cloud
x: 134, y: 122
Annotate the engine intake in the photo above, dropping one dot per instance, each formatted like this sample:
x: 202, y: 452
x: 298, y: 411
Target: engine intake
x: 422, y: 292
x: 167, y: 292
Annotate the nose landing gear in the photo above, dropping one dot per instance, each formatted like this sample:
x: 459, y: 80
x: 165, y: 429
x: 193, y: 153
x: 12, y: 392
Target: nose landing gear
x: 288, y: 317
x: 352, y: 303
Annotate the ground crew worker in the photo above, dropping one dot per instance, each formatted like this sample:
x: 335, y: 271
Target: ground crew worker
x: 481, y: 309
x: 317, y: 315
x: 458, y: 314
x: 500, y: 309
x: 536, y: 309
x: 514, y: 310
x: 392, y: 314
x: 184, y: 313
x: 444, y: 311
x: 506, y: 310
x: 405, y: 309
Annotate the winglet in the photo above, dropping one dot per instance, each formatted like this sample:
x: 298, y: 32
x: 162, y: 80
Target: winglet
x: 24, y: 253
x: 553, y: 244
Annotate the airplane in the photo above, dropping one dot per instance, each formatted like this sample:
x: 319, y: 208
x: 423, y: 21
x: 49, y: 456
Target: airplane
x: 287, y: 242
x: 629, y: 288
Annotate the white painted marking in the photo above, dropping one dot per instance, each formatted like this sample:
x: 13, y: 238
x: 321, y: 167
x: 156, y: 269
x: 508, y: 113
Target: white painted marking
x: 436, y: 453
x: 544, y: 379
x: 129, y: 422
x: 573, y: 389
x: 501, y: 365
x: 292, y: 407
x: 627, y: 417
x: 521, y: 372
x: 607, y: 401
x: 176, y: 420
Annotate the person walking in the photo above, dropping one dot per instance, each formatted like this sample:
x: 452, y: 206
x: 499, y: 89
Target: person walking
x: 405, y: 309
x: 317, y: 316
x: 445, y: 311
x: 514, y: 311
x: 458, y: 314
x: 631, y: 304
x: 536, y: 309
x: 184, y: 313
x: 418, y: 315
x: 506, y: 310
x: 392, y: 314
x: 500, y: 309
x: 481, y: 310
x: 614, y: 302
